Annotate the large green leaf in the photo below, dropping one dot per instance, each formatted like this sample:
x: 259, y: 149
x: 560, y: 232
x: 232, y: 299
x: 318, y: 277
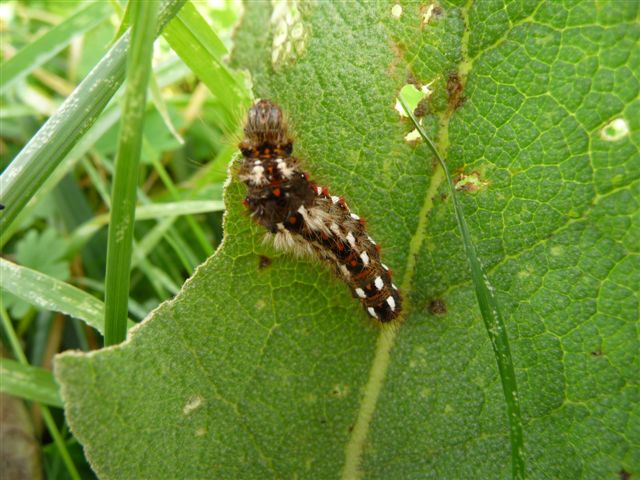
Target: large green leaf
x: 260, y: 371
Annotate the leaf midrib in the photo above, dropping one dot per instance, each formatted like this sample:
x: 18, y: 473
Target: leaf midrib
x: 386, y: 338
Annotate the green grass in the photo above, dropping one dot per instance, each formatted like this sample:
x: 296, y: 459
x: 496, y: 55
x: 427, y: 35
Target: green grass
x: 125, y: 178
x: 58, y: 177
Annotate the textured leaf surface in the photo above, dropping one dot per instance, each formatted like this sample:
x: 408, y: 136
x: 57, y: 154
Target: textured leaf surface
x: 255, y: 372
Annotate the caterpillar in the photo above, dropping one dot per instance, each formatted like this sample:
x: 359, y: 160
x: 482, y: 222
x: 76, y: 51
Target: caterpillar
x: 302, y: 217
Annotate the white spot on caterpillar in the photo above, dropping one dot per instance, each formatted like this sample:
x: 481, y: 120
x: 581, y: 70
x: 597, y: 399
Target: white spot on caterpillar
x: 378, y: 283
x: 365, y: 259
x: 371, y: 240
x: 372, y: 312
x: 394, y: 286
x: 334, y: 228
x: 257, y: 162
x: 345, y: 271
x: 392, y: 303
x: 360, y: 293
x: 285, y: 241
x: 351, y: 239
x: 355, y: 217
x: 384, y: 266
x: 319, y: 190
x: 257, y: 175
x: 285, y: 169
x: 335, y: 199
x: 317, y: 219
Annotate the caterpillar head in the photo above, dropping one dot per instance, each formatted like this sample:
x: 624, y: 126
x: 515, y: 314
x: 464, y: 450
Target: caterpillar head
x: 266, y: 127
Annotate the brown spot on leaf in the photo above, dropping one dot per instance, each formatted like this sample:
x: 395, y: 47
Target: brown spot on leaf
x: 422, y: 108
x: 455, y: 88
x: 264, y: 262
x: 624, y: 475
x: 437, y: 307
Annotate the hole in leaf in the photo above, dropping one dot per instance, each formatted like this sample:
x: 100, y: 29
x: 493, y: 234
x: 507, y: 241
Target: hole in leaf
x: 470, y: 183
x: 615, y: 130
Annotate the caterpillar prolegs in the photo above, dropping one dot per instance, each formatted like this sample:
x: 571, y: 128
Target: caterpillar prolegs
x: 304, y: 218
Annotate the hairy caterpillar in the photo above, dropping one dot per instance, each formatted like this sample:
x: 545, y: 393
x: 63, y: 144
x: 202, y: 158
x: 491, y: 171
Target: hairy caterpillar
x: 304, y: 218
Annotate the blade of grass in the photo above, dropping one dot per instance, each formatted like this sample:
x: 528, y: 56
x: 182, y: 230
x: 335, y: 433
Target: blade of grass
x: 184, y: 253
x: 125, y: 181
x: 135, y: 309
x: 38, y: 159
x: 49, y: 293
x: 490, y: 309
x: 161, y: 107
x: 144, y: 212
x: 153, y: 237
x: 175, y: 194
x: 46, y: 413
x: 48, y: 45
x: 31, y: 383
x: 191, y: 37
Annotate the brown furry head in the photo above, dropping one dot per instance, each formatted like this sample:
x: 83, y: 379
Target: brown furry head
x: 266, y: 130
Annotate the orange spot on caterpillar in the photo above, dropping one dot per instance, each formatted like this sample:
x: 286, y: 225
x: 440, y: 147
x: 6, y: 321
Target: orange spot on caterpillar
x: 364, y: 273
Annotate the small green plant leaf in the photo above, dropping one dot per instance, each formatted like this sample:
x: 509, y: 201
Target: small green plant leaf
x: 268, y: 368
